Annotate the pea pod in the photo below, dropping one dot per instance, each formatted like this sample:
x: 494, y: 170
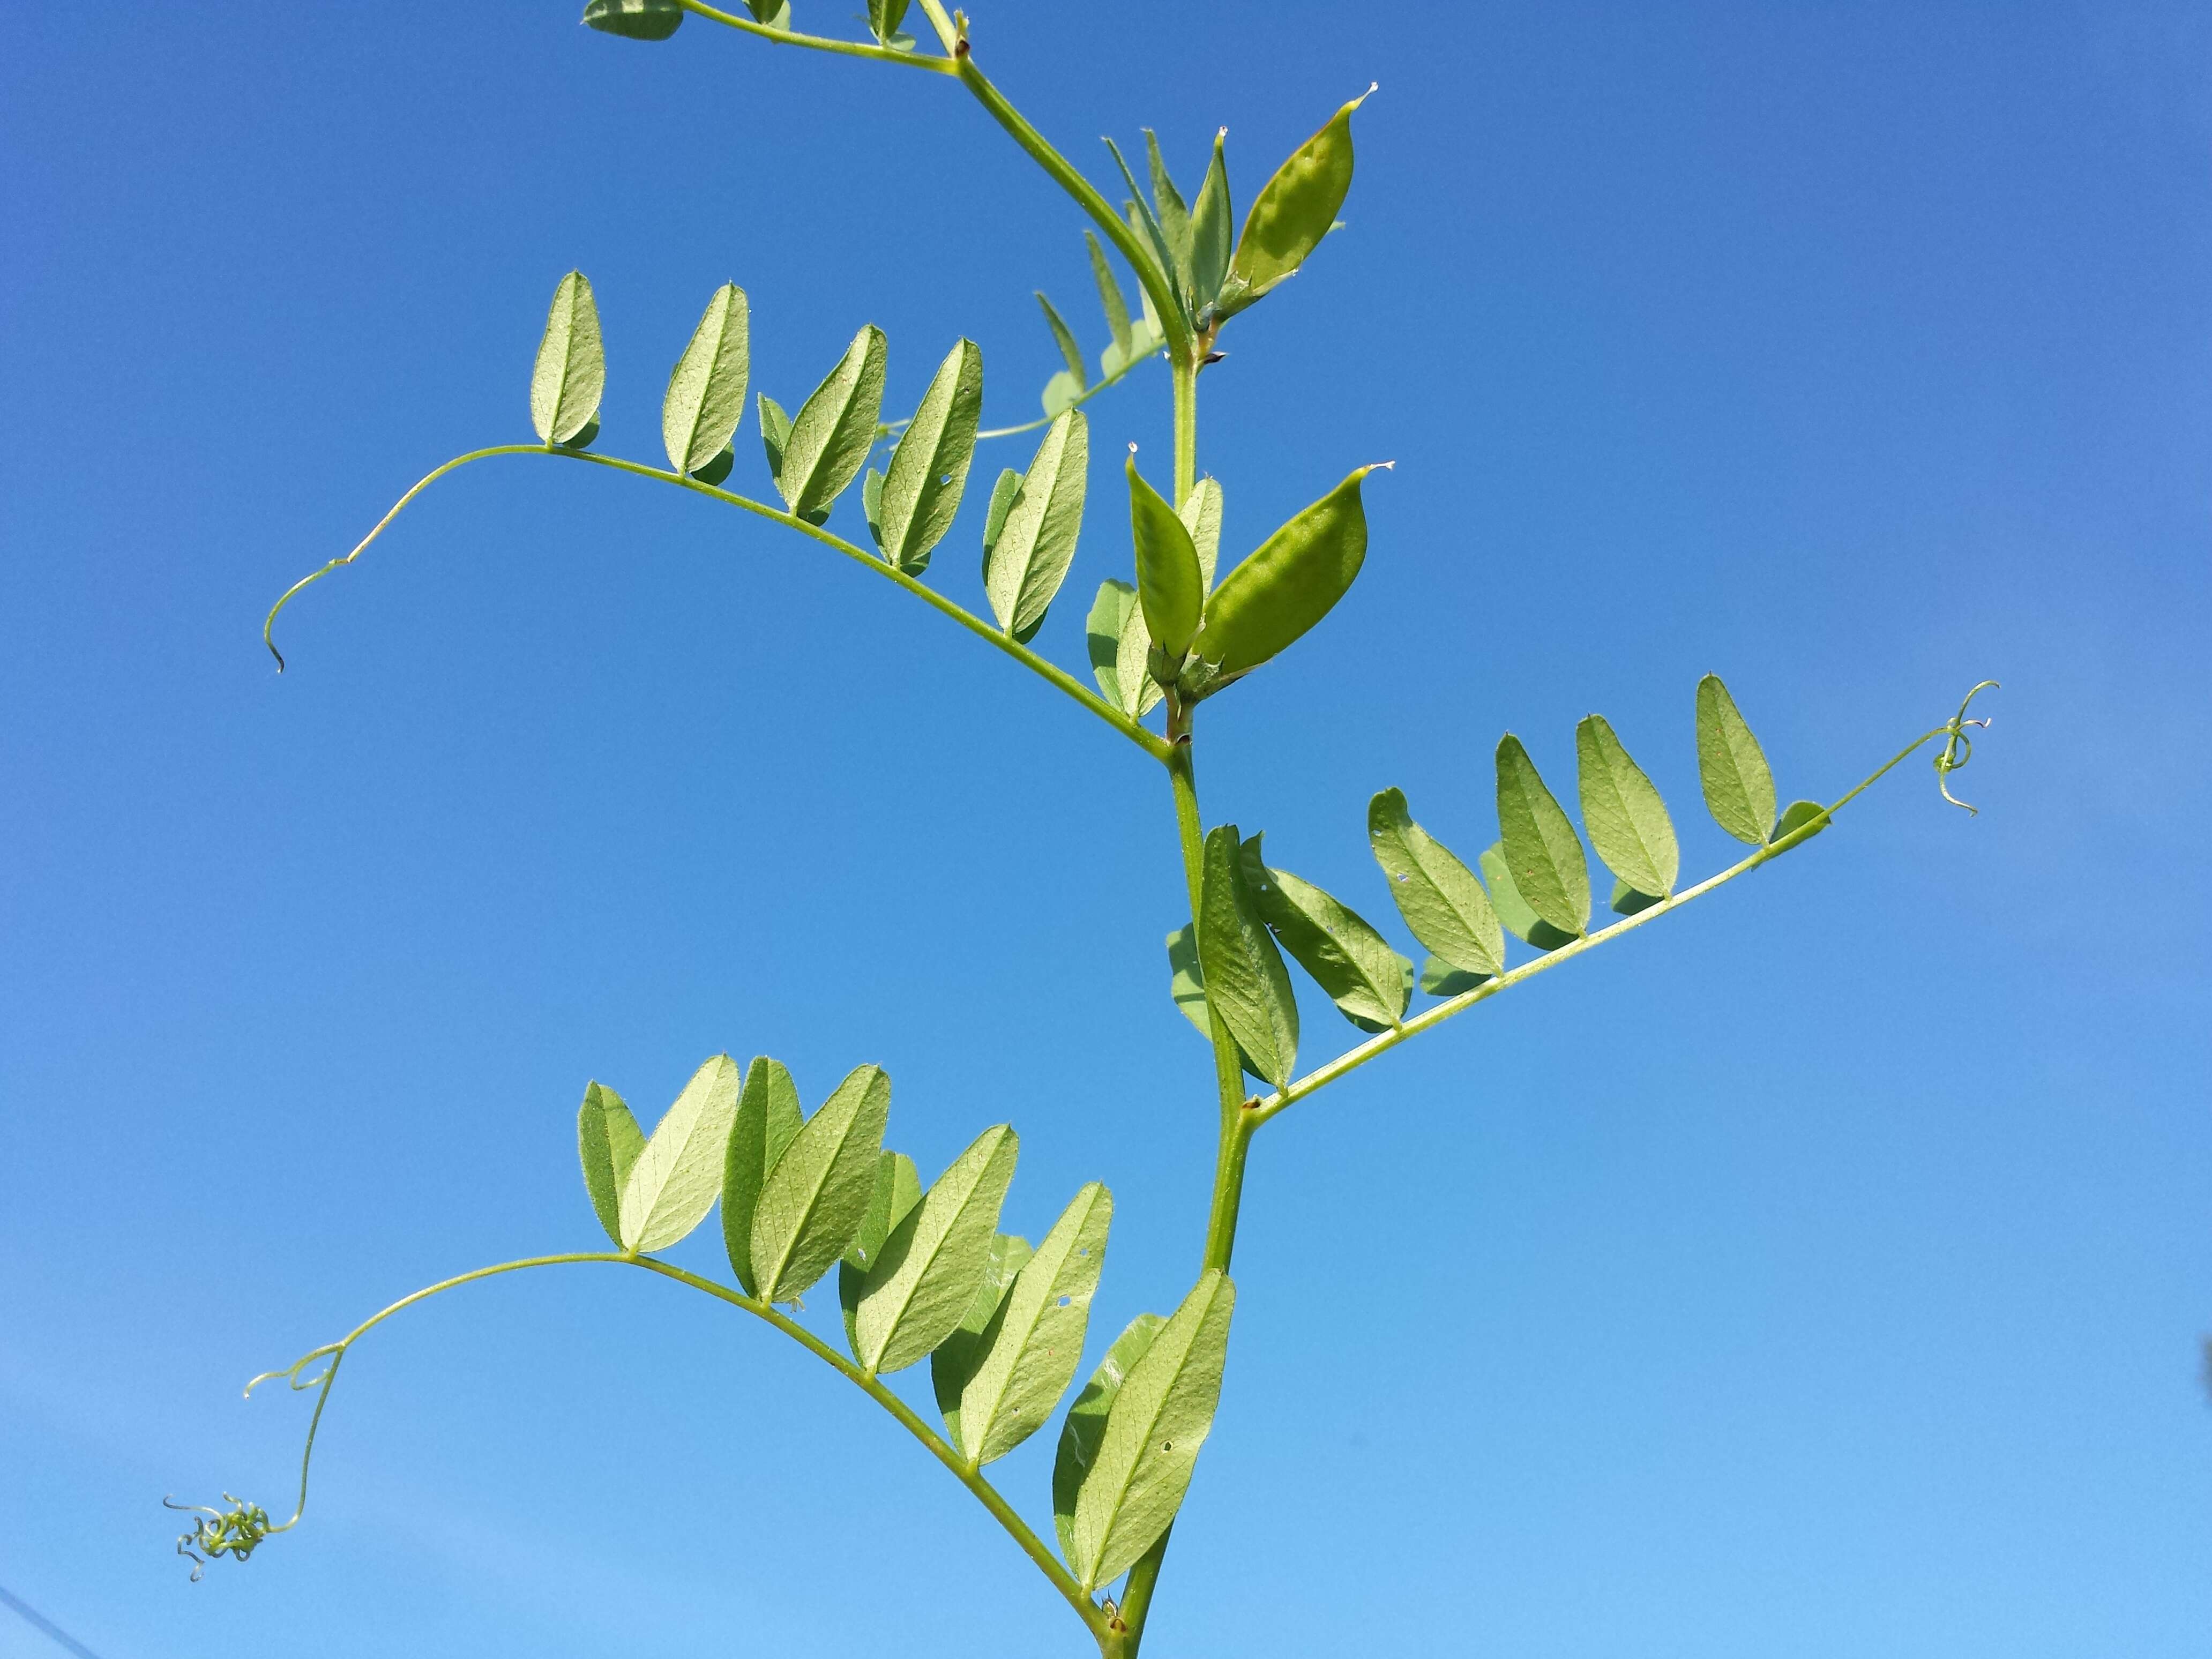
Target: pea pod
x: 1290, y: 583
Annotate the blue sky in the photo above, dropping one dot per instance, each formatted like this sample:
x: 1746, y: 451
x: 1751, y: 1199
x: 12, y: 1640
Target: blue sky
x: 1819, y: 1272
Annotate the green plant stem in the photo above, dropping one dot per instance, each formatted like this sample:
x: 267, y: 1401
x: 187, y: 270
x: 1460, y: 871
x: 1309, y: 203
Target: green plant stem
x: 1052, y: 673
x: 1185, y: 370
x: 820, y: 43
x: 1353, y: 1059
x: 989, y: 1496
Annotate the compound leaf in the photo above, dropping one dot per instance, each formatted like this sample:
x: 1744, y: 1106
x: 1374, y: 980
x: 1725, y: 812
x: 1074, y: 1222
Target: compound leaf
x: 1548, y: 867
x: 815, y: 1199
x: 1739, y: 788
x: 608, y: 1140
x: 570, y: 374
x: 1439, y: 897
x: 677, y: 1178
x: 834, y: 430
x: 1290, y: 583
x: 707, y: 388
x: 1037, y: 1341
x: 1159, y: 1419
x: 1025, y: 563
x: 767, y: 1119
x: 1627, y: 822
x: 1245, y: 979
x: 926, y: 1271
x: 928, y: 470
x: 1369, y: 981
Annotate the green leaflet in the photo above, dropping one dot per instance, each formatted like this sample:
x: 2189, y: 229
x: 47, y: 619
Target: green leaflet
x: 1026, y: 561
x: 768, y: 1118
x: 1739, y: 788
x: 1245, y: 979
x: 816, y: 1195
x: 608, y: 1140
x: 1210, y: 231
x: 1549, y: 870
x: 1200, y: 513
x: 1439, y: 897
x: 953, y: 1363
x: 678, y: 1175
x: 717, y: 468
x: 1159, y: 1419
x: 1440, y: 979
x: 1119, y: 647
x: 1293, y: 211
x: 928, y: 470
x: 834, y: 430
x: 1797, y: 815
x: 775, y: 434
x: 773, y: 14
x: 995, y: 516
x: 1037, y: 1342
x: 1170, y: 587
x: 634, y: 19
x: 1111, y: 302
x: 706, y: 396
x: 885, y: 17
x: 923, y: 1277
x: 1102, y: 636
x: 898, y: 1190
x: 1627, y: 820
x: 1370, y: 982
x: 571, y: 371
x: 1626, y: 900
x: 1142, y: 222
x: 1522, y: 922
x: 1186, y: 986
x: 1070, y: 352
x: 1294, y: 579
x: 1079, y: 1435
x: 871, y: 505
x: 1173, y: 217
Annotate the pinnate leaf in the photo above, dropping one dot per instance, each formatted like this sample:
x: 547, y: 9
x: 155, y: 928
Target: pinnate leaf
x: 678, y: 1175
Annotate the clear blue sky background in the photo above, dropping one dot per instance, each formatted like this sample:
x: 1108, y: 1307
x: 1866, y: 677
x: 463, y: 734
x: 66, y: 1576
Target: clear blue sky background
x: 1819, y: 1272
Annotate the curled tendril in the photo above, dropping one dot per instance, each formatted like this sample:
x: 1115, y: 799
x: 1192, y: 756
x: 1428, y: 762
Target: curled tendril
x: 236, y: 1531
x: 243, y: 1527
x: 1958, y: 748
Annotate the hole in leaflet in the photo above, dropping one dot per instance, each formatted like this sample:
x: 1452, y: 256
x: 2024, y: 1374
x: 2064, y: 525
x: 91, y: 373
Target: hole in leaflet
x: 1064, y: 1300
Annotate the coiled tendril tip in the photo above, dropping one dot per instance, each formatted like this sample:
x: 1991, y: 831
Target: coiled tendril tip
x: 1958, y: 748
